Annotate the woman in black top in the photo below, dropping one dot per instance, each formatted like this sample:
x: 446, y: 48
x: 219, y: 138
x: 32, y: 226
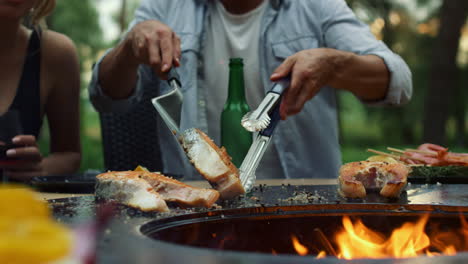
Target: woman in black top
x: 39, y: 76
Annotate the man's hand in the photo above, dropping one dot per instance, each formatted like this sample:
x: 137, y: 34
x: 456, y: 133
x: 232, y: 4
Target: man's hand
x: 29, y: 159
x: 309, y: 70
x: 150, y: 42
x: 153, y: 43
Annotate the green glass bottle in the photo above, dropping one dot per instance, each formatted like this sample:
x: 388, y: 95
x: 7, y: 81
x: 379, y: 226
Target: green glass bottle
x: 234, y: 137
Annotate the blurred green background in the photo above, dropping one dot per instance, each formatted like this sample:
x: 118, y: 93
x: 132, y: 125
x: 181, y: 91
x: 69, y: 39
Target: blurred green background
x: 431, y: 35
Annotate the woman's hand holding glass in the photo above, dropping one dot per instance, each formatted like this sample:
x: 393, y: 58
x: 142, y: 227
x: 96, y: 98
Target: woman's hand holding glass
x: 20, y: 158
x: 26, y: 158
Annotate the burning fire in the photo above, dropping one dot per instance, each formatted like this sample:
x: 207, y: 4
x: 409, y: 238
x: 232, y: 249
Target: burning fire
x: 358, y: 241
x: 300, y: 249
x: 410, y: 240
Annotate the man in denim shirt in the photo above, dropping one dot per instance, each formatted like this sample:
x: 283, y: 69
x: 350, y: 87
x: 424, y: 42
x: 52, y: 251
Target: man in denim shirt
x: 319, y: 43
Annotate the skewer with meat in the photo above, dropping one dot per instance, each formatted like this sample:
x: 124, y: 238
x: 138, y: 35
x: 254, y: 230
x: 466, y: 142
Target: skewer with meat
x: 357, y: 177
x: 434, y: 155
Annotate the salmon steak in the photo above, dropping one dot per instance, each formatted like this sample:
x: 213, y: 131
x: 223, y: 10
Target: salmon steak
x: 131, y: 191
x: 357, y: 177
x: 213, y: 163
x: 138, y: 188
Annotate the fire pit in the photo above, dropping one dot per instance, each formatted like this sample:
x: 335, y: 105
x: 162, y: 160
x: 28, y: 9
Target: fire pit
x: 311, y: 230
x: 279, y: 224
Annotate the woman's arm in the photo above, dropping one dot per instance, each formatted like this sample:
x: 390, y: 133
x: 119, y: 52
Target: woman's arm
x: 62, y: 107
x: 60, y: 82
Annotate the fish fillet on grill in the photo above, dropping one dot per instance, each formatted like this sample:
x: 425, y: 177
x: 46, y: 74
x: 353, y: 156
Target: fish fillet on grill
x: 355, y: 177
x: 213, y: 163
x: 115, y: 185
x: 132, y: 191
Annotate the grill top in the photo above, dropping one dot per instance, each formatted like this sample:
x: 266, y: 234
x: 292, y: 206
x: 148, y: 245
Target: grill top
x: 123, y: 242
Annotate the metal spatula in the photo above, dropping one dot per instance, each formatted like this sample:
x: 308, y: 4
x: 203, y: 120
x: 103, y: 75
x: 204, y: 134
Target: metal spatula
x: 169, y: 105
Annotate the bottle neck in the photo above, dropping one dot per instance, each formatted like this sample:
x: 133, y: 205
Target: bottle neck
x: 236, y: 83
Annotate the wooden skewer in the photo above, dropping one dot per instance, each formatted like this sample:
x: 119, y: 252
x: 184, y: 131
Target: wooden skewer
x: 383, y: 153
x: 419, y: 165
x: 429, y: 153
x: 395, y: 156
x: 414, y: 158
x: 396, y: 150
x: 399, y: 156
x: 406, y: 156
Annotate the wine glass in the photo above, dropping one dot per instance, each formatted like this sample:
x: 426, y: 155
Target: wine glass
x: 10, y: 126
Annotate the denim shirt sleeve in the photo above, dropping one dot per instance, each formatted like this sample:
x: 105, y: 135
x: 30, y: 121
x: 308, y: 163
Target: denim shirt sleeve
x: 103, y: 103
x: 343, y: 31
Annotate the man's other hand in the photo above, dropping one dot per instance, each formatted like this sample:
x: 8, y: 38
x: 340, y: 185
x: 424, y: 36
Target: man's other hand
x: 310, y: 70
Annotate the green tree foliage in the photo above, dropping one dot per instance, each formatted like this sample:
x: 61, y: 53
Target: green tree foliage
x: 80, y: 21
x: 403, y: 125
x: 442, y: 93
x: 124, y: 16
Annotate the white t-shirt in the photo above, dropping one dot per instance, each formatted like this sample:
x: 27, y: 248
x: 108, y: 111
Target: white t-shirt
x: 235, y: 36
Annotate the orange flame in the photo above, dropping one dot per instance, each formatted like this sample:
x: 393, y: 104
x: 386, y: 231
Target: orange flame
x: 300, y: 249
x: 321, y: 254
x: 358, y: 241
x: 410, y: 240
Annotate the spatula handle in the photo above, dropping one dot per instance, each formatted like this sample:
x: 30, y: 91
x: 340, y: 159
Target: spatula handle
x: 172, y: 75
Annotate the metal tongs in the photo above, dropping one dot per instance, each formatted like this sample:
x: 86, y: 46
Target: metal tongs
x: 169, y: 105
x: 263, y: 120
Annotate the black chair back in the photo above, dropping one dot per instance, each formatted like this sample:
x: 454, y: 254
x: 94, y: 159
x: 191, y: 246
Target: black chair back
x: 131, y: 139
